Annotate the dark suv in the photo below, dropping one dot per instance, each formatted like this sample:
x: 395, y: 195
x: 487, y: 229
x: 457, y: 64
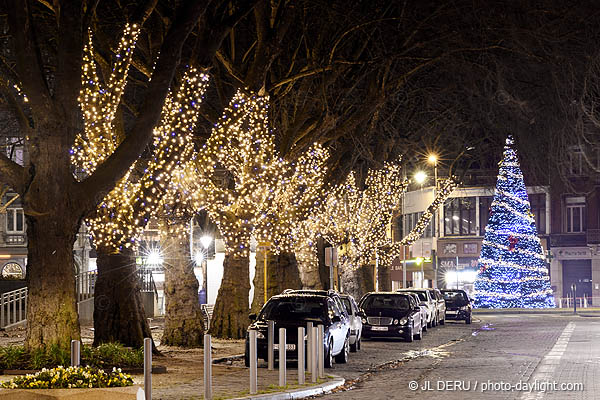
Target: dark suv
x: 458, y: 305
x: 293, y: 310
x: 391, y: 314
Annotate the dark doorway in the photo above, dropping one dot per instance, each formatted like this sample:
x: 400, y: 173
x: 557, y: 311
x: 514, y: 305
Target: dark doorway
x: 578, y: 272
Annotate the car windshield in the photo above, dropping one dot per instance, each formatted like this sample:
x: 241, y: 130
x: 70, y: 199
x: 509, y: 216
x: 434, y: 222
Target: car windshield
x: 396, y: 302
x: 422, y: 296
x: 294, y: 308
x: 456, y: 297
x: 347, y: 305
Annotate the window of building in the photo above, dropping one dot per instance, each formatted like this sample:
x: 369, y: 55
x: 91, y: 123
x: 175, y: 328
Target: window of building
x: 575, y: 161
x: 459, y: 216
x: 407, y: 222
x: 575, y: 214
x: 14, y: 149
x: 15, y: 220
x: 538, y: 208
x: 485, y: 206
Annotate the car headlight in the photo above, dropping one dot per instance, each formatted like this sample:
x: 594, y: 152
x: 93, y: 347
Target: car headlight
x: 364, y: 320
x: 395, y: 322
x: 403, y: 321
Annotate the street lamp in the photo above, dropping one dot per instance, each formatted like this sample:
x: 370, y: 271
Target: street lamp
x: 420, y: 177
x: 205, y: 240
x: 433, y: 159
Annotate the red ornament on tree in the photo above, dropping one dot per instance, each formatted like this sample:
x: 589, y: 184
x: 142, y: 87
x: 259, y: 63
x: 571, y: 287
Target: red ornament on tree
x: 513, y: 242
x: 482, y: 269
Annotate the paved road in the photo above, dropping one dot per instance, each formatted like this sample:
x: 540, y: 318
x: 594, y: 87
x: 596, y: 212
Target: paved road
x: 525, y: 357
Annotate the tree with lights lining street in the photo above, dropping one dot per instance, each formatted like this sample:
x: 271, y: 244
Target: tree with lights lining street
x: 512, y: 267
x: 299, y: 193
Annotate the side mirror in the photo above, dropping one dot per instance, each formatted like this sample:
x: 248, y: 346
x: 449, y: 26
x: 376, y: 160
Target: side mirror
x: 361, y: 313
x: 336, y: 318
x: 252, y: 316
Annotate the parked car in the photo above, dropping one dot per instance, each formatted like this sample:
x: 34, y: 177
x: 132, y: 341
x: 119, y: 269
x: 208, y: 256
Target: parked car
x: 440, y: 305
x: 458, y: 304
x: 427, y: 301
x: 355, y: 321
x: 423, y: 310
x: 293, y: 310
x: 391, y: 314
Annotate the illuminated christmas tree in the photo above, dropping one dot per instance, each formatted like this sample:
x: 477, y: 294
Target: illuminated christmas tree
x: 512, y: 269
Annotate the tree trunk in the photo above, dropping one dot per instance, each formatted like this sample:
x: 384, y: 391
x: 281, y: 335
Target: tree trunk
x: 384, y: 278
x: 230, y: 316
x: 183, y: 316
x: 118, y: 308
x: 359, y: 281
x: 282, y: 273
x: 51, y: 306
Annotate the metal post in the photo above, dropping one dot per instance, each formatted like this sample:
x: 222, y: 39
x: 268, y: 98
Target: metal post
x: 403, y: 266
x: 148, y: 368
x: 375, y: 271
x: 574, y: 289
x: 331, y: 277
x: 321, y: 351
x: 270, y: 341
x: 309, y: 341
x: 253, y: 363
x: 282, y: 358
x: 314, y: 355
x: 75, y: 353
x: 207, y: 368
x: 300, y: 350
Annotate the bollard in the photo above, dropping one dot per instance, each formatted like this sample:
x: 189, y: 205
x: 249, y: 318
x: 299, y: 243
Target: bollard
x: 321, y: 351
x: 282, y: 358
x: 314, y: 353
x: 148, y: 368
x: 253, y: 363
x: 207, y: 368
x: 270, y: 350
x: 309, y: 339
x: 75, y: 353
x: 300, y: 350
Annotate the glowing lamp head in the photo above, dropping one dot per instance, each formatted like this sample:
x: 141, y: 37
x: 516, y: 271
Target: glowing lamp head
x: 419, y: 260
x: 154, y: 258
x: 420, y: 177
x: 206, y: 241
x: 432, y: 158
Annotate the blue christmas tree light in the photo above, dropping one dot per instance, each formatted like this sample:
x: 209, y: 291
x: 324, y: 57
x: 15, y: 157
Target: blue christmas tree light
x: 512, y: 269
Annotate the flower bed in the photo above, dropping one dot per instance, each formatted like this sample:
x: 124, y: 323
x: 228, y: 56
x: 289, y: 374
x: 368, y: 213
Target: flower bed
x: 71, y: 377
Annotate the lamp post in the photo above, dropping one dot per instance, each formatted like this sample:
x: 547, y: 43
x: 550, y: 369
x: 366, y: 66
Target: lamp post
x: 433, y: 159
x: 205, y: 241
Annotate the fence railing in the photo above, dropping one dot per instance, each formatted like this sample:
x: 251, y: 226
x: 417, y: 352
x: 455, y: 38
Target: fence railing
x: 147, y: 283
x: 13, y: 307
x: 85, y: 284
x: 567, y: 302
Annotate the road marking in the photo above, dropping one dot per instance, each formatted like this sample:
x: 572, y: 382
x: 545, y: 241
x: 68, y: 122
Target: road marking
x: 551, y: 360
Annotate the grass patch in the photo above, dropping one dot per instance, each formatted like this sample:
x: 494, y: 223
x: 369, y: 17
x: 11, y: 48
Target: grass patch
x: 105, y: 356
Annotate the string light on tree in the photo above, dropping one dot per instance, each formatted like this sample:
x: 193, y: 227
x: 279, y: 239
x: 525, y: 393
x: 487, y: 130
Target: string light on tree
x: 512, y: 269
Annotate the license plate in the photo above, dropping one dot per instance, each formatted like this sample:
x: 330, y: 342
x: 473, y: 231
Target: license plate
x: 379, y: 328
x: 288, y: 347
x: 451, y: 312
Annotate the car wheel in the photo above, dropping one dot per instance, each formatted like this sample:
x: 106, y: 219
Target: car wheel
x: 247, y: 355
x: 342, y: 358
x: 409, y: 336
x: 329, y: 356
x: 419, y: 335
x: 468, y: 319
x: 356, y: 346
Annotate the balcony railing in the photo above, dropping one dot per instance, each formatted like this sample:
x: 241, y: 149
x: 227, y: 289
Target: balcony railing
x: 568, y: 239
x: 593, y: 236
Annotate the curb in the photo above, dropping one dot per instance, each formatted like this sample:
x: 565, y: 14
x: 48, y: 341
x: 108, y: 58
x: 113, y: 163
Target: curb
x: 580, y: 312
x: 303, y: 393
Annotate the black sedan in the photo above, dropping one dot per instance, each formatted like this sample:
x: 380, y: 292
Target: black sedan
x: 391, y: 314
x: 458, y: 304
x: 291, y: 311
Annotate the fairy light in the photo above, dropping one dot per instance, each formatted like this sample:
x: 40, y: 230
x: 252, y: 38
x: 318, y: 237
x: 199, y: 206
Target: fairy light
x: 99, y: 102
x: 126, y: 210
